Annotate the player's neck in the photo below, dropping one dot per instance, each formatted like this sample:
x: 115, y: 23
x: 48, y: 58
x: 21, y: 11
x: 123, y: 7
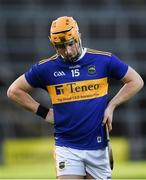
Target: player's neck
x: 83, y: 51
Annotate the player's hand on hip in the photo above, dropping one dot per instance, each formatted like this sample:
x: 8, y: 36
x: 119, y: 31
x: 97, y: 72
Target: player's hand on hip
x: 50, y: 116
x: 108, y: 117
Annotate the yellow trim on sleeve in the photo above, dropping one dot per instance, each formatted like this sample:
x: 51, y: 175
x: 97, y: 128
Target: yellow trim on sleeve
x: 48, y: 59
x: 93, y: 51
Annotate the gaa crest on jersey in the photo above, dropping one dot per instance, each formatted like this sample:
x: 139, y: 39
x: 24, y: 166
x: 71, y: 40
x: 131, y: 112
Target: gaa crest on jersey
x: 91, y: 70
x: 59, y: 73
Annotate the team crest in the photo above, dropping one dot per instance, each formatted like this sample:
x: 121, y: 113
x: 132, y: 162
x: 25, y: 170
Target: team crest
x: 61, y: 165
x: 91, y: 70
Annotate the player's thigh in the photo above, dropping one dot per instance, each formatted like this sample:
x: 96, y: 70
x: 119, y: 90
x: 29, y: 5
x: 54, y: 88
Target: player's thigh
x: 69, y: 163
x: 98, y: 164
x: 88, y: 176
x: 70, y: 177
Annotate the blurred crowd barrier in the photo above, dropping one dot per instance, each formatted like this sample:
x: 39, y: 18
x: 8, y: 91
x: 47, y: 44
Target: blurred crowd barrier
x: 41, y: 150
x: 28, y: 151
x: 115, y: 26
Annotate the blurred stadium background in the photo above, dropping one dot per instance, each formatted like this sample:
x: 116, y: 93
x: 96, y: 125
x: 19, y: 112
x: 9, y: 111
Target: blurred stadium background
x: 118, y: 26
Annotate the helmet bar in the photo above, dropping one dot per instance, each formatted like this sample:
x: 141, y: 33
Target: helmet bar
x: 62, y: 31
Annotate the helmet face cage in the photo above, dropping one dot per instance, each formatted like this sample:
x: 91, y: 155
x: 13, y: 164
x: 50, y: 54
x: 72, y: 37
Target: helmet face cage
x: 65, y: 43
x: 64, y: 30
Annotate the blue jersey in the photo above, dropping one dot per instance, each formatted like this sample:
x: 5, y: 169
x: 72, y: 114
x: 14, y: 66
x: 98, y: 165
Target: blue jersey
x: 79, y: 94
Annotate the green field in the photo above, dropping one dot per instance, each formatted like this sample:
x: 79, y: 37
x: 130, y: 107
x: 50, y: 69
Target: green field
x: 127, y: 170
x: 33, y: 159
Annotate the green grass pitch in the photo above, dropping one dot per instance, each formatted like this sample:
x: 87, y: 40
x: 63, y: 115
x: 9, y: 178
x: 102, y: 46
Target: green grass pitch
x: 33, y: 159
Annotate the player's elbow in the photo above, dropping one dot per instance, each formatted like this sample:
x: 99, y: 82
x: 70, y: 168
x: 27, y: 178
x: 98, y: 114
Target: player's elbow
x: 11, y: 92
x: 135, y: 80
x: 136, y: 85
x: 140, y: 83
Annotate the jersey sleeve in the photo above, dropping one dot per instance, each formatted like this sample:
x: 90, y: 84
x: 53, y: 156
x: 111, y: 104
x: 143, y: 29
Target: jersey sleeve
x: 33, y: 77
x: 117, y: 68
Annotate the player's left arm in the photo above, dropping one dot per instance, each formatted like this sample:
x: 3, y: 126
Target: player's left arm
x: 132, y: 84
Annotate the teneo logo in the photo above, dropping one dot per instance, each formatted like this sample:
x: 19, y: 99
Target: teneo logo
x: 79, y: 90
x: 91, y: 70
x: 59, y: 89
x: 75, y: 88
x: 59, y: 73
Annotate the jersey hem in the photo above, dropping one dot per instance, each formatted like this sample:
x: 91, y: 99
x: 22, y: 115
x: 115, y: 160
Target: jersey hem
x: 81, y: 148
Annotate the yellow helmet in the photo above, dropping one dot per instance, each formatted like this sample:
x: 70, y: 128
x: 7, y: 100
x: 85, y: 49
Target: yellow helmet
x: 64, y: 29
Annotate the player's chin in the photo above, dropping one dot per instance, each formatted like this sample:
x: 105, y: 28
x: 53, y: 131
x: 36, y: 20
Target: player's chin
x: 72, y: 58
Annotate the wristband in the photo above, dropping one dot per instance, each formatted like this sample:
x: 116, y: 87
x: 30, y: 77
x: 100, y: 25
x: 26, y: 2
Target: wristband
x: 42, y: 111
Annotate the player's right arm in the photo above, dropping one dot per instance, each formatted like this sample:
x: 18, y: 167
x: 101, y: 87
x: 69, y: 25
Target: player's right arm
x: 19, y: 92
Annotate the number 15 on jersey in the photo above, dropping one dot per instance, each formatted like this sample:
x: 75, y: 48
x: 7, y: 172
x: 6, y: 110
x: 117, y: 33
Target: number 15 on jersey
x: 75, y: 72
